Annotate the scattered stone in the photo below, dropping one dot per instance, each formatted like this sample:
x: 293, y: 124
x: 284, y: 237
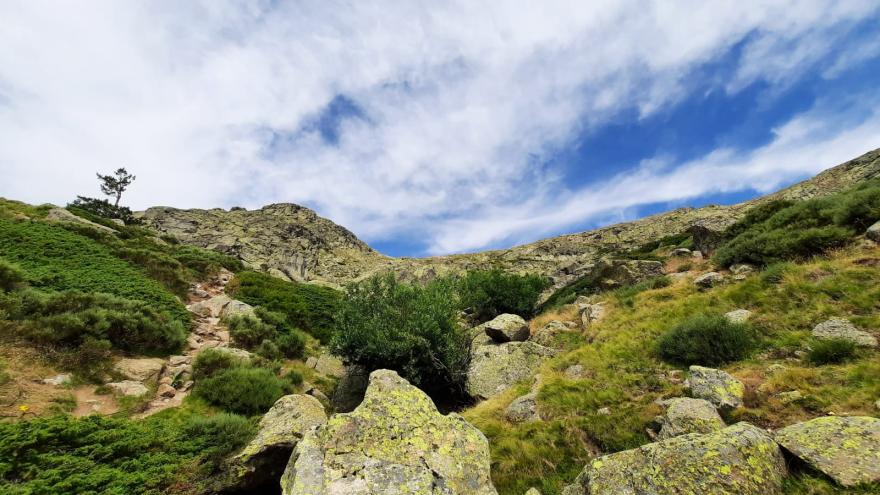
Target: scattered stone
x: 604, y: 411
x: 575, y: 372
x: 495, y: 368
x: 718, y: 387
x: 682, y: 252
x: 790, y: 397
x: 507, y: 328
x: 775, y: 368
x: 697, y: 255
x: 236, y: 308
x: 128, y: 388
x: 847, y: 449
x: 738, y: 315
x: 166, y: 390
x: 57, y: 380
x: 742, y: 269
x: 210, y: 308
x: 235, y: 352
x: 840, y: 328
x: 524, y: 408
x: 532, y: 491
x: 873, y: 232
x: 350, y: 389
x: 685, y: 415
x: 708, y: 280
x: 394, y: 442
x: 592, y: 313
x: 737, y: 460
x: 140, y: 369
x: 262, y: 461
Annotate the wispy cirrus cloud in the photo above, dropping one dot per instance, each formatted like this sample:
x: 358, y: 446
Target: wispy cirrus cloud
x: 430, y: 121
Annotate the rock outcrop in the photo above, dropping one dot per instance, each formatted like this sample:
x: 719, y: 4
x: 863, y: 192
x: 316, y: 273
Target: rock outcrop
x: 685, y: 415
x: 845, y: 449
x: 395, y: 442
x: 738, y: 460
x: 873, y: 232
x: 507, y: 328
x: 140, y: 369
x: 841, y: 328
x: 496, y: 367
x: 718, y: 387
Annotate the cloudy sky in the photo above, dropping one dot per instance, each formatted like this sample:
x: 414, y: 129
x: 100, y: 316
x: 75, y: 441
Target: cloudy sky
x: 435, y: 127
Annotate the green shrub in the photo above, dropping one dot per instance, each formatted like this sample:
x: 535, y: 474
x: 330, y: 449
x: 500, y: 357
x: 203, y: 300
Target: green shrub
x: 292, y: 344
x: 209, y: 362
x: 242, y: 390
x: 489, y: 293
x: 383, y: 323
x: 775, y: 273
x: 832, y: 351
x: 626, y: 294
x: 684, y: 267
x: 249, y: 331
x: 103, y: 209
x: 54, y: 258
x: 305, y: 306
x: 98, y: 454
x: 268, y: 334
x: 708, y: 340
x: 11, y: 276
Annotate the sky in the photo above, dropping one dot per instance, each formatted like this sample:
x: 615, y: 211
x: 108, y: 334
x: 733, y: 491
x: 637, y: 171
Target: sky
x: 435, y: 127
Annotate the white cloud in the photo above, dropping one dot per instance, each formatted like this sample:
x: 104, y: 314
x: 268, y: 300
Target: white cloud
x: 462, y: 102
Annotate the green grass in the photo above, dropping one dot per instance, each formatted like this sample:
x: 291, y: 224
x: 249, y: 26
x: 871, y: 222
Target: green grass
x: 624, y: 375
x: 54, y: 258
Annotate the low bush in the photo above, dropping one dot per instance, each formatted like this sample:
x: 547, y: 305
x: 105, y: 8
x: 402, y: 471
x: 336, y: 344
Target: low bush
x: 305, y: 306
x: 103, y: 209
x: 11, y: 276
x: 243, y: 390
x: 775, y: 273
x: 220, y: 435
x: 626, y: 295
x: 384, y: 323
x: 832, y: 351
x: 249, y: 331
x: 489, y: 293
x: 267, y: 333
x: 209, y: 362
x: 708, y: 340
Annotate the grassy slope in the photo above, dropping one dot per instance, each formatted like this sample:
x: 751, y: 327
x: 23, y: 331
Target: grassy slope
x: 624, y: 375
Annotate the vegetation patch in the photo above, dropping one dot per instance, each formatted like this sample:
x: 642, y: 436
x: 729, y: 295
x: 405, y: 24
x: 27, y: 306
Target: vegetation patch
x: 832, y: 351
x: 244, y: 389
x: 489, y: 293
x: 268, y: 333
x: 708, y: 340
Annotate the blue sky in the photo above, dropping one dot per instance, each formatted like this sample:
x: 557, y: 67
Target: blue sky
x: 435, y: 128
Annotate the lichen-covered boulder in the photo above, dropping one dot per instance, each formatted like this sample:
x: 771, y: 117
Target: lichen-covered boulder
x: 495, y: 368
x: 522, y: 409
x: 718, y: 387
x: 395, y: 442
x: 507, y: 328
x: 327, y: 364
x: 738, y: 460
x: 847, y: 449
x: 708, y: 280
x: 236, y: 308
x: 841, y: 328
x: 261, y: 462
x: 738, y: 315
x: 685, y: 415
x: 350, y: 390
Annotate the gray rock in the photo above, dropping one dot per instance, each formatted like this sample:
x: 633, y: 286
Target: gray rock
x: 128, y: 388
x: 57, y: 380
x: 522, y: 409
x: 737, y: 460
x: 575, y: 372
x: 394, y: 442
x: 329, y: 365
x: 507, y: 328
x: 350, y: 390
x: 683, y: 252
x: 742, y: 269
x: 873, y: 232
x: 685, y: 415
x: 718, y: 387
x: 546, y: 335
x: 738, y: 315
x: 236, y: 308
x: 140, y: 369
x: 210, y: 308
x: 790, y: 397
x: 847, y: 449
x: 262, y: 460
x: 708, y: 280
x: 840, y: 328
x: 532, y: 491
x: 64, y: 216
x: 495, y: 368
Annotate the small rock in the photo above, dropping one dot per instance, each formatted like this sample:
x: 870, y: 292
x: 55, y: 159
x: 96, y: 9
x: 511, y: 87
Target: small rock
x: 775, y: 368
x: 742, y: 269
x: 128, y: 388
x: 685, y: 415
x: 575, y: 372
x: 311, y: 362
x: 840, y: 328
x: 57, y: 380
x: 507, y: 328
x: 873, y: 232
x: 877, y: 405
x: 200, y: 293
x: 210, y: 307
x: 790, y: 397
x: 178, y: 360
x: 187, y: 385
x: 166, y: 380
x: 604, y: 411
x: 845, y: 448
x: 708, y: 280
x: 524, y: 408
x: 546, y: 335
x: 532, y: 491
x: 682, y: 252
x: 236, y: 308
x: 139, y: 369
x: 716, y: 386
x: 166, y: 390
x: 738, y: 315
x: 697, y: 255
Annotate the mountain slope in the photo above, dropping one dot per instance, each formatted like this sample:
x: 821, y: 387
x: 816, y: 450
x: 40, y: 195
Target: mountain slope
x: 293, y: 242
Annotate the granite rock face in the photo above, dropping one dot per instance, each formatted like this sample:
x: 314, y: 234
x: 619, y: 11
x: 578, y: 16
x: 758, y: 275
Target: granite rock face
x: 718, y: 387
x: 847, y: 449
x: 685, y: 415
x: 395, y: 442
x: 738, y: 460
x: 496, y: 367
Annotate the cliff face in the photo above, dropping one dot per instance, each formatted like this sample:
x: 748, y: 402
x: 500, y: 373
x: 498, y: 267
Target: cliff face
x: 293, y: 242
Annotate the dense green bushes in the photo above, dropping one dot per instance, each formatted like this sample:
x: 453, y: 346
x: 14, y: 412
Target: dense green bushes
x: 11, y: 276
x: 783, y: 230
x: 268, y: 333
x: 306, y: 306
x: 101, y: 208
x: 54, y: 258
x: 708, y: 340
x: 489, y: 293
x: 100, y: 454
x: 383, y: 323
x: 244, y: 389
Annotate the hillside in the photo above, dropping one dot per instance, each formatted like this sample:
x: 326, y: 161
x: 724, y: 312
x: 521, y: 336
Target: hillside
x: 295, y: 243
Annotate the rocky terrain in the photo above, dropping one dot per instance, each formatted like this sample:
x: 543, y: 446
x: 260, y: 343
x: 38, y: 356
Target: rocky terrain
x: 294, y: 243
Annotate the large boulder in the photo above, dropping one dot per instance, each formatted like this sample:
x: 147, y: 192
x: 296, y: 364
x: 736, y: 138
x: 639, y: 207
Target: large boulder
x: 327, y: 364
x: 523, y: 409
x: 507, y: 328
x: 395, y: 442
x: 708, y: 280
x: 140, y: 369
x: 262, y: 461
x: 738, y: 460
x: 128, y: 388
x: 210, y: 308
x: 65, y: 216
x: 708, y: 233
x: 718, y: 387
x: 350, y: 389
x: 840, y: 328
x: 847, y: 449
x: 685, y: 415
x: 236, y: 308
x: 873, y: 232
x: 495, y: 368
